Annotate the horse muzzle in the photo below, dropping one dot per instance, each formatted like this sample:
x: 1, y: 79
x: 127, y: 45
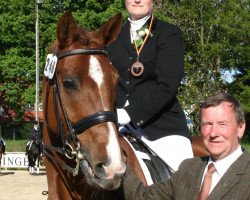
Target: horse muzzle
x: 101, y: 176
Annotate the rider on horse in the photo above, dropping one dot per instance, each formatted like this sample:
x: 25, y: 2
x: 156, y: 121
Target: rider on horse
x: 35, y: 136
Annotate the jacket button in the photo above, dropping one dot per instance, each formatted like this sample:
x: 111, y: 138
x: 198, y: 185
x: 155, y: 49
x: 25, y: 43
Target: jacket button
x: 127, y: 82
x: 139, y: 123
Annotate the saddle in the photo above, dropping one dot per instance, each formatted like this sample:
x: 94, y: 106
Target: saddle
x: 158, y: 168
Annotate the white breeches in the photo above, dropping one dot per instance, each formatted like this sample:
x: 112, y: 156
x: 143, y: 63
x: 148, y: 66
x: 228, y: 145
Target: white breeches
x: 172, y: 149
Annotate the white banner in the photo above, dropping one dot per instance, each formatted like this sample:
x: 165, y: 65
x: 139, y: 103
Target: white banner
x: 14, y: 160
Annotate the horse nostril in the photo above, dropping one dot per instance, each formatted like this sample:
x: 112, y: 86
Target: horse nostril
x: 99, y: 170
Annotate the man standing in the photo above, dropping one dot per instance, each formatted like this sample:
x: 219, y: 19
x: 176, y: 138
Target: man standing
x: 222, y: 125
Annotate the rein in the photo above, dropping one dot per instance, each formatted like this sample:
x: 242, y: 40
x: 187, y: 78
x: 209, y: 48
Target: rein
x: 74, y: 128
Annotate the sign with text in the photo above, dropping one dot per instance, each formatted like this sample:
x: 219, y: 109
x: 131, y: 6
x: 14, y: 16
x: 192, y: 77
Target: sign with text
x: 14, y: 160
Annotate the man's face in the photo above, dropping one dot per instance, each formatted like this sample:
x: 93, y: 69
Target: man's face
x: 138, y: 9
x: 220, y: 130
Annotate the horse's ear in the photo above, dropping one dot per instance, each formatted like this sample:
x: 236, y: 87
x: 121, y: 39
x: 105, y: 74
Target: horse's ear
x: 66, y: 30
x: 111, y: 29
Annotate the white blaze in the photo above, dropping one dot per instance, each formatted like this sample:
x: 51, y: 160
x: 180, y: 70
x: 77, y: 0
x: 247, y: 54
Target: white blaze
x: 113, y: 150
x: 95, y: 71
x: 116, y: 166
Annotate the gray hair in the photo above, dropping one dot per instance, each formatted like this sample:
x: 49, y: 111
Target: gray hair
x: 225, y: 97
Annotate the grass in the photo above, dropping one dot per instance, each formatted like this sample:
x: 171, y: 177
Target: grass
x: 15, y: 145
x: 20, y: 145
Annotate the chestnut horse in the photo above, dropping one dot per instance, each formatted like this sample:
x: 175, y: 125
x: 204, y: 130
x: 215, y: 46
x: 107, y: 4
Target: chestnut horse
x: 85, y: 157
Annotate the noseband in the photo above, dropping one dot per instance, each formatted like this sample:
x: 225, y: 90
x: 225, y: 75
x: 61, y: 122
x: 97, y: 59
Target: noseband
x: 74, y: 128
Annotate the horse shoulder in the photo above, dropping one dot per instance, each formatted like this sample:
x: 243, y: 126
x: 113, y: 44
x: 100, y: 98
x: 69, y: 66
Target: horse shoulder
x: 198, y: 147
x: 132, y: 160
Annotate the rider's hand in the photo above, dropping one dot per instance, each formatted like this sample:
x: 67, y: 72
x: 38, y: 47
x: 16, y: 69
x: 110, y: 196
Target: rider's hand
x: 123, y: 117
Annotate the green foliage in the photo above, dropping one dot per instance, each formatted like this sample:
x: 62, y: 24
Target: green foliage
x: 15, y: 145
x: 215, y: 33
x: 16, y: 131
x: 216, y: 39
x: 246, y: 146
x: 18, y: 41
x: 240, y: 87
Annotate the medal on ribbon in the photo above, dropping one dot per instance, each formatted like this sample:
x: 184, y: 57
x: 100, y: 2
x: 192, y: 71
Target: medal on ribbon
x: 137, y: 68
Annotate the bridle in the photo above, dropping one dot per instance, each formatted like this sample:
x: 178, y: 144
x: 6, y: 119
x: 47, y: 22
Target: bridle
x: 68, y: 150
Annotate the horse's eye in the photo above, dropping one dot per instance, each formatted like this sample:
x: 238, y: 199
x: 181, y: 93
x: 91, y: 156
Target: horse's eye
x: 69, y: 84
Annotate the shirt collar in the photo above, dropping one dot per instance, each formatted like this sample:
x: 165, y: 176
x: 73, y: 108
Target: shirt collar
x: 223, y: 164
x: 137, y: 24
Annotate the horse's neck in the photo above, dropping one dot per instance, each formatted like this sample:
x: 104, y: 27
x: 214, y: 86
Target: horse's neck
x: 132, y: 160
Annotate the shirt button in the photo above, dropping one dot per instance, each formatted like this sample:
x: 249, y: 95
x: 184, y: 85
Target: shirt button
x: 127, y: 82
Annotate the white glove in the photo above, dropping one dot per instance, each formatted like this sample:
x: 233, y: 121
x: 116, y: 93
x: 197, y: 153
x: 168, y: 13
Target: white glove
x: 123, y: 117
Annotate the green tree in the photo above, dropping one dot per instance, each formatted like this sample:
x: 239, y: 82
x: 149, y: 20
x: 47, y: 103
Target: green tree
x: 216, y: 39
x: 17, y: 54
x: 215, y: 33
x: 240, y: 87
x: 17, y: 40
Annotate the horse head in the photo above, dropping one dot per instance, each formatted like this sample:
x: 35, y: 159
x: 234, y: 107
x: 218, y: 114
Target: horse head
x: 79, y: 103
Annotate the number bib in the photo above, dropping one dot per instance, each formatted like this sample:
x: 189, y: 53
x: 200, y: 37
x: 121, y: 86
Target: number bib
x: 50, y: 66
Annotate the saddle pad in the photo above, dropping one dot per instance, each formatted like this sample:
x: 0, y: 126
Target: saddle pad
x: 142, y: 156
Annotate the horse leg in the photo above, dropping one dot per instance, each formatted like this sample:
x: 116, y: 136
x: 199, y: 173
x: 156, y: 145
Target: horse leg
x: 37, y: 168
x: 32, y: 166
x: 31, y: 169
x: 29, y: 164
